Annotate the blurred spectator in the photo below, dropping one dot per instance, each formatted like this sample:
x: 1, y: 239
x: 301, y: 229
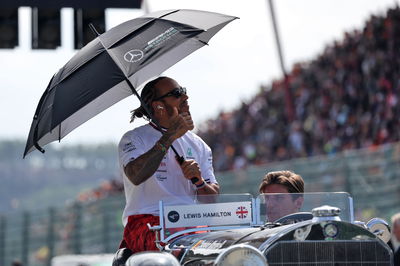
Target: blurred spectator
x: 106, y: 188
x: 347, y: 98
x: 395, y: 241
x: 16, y: 262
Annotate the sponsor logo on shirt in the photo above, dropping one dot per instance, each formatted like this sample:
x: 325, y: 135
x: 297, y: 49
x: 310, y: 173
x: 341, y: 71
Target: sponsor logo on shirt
x: 160, y: 177
x: 163, y: 169
x: 128, y: 147
x: 189, y: 152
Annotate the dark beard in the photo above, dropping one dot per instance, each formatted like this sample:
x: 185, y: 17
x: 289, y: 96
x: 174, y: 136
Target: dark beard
x: 170, y: 110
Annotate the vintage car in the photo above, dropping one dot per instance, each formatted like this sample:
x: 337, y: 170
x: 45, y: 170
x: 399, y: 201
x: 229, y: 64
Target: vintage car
x: 271, y: 229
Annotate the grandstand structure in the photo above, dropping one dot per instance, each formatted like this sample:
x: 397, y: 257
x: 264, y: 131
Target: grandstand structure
x: 344, y: 137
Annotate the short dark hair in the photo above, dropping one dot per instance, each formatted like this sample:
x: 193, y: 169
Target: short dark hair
x: 292, y: 181
x: 148, y: 94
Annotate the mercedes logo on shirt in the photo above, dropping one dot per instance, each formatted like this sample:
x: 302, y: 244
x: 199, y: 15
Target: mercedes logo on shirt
x: 133, y: 56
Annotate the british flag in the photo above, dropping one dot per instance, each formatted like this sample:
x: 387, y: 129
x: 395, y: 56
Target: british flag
x: 242, y: 212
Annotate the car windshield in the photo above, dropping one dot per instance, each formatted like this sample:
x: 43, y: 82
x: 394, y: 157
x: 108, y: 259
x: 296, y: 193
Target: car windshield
x: 193, y: 213
x: 273, y: 206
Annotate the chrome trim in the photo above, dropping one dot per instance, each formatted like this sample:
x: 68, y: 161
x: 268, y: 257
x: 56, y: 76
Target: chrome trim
x: 258, y: 208
x: 360, y: 223
x: 152, y: 258
x: 374, y: 261
x: 380, y: 228
x: 351, y: 209
x: 213, y: 228
x: 289, y: 227
x: 156, y: 229
x: 254, y: 212
x: 326, y: 213
x: 325, y: 219
x: 222, y: 255
x: 161, y: 217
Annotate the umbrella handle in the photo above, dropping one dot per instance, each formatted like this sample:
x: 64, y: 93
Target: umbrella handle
x: 180, y: 160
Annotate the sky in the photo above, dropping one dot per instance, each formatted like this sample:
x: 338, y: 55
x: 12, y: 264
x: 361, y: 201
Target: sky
x: 240, y: 58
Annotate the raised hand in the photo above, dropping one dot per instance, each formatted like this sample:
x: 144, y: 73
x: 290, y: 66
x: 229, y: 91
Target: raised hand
x: 179, y: 124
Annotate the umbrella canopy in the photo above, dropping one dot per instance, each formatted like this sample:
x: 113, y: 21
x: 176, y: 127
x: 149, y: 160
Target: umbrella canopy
x: 108, y: 68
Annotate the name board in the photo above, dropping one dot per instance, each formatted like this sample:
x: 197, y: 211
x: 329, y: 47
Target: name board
x: 231, y: 213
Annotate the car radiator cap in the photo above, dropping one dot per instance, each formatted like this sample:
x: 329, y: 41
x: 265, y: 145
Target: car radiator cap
x: 325, y: 211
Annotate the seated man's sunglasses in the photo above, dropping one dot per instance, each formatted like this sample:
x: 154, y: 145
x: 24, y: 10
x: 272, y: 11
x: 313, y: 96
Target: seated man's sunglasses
x: 177, y: 93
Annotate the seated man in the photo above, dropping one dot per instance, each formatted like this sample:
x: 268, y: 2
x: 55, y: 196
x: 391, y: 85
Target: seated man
x: 280, y: 205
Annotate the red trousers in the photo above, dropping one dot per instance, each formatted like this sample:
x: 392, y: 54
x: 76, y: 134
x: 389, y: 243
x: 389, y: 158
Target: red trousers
x: 137, y: 236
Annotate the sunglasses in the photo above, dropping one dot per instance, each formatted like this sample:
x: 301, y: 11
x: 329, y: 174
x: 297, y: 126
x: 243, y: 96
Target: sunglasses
x: 177, y: 93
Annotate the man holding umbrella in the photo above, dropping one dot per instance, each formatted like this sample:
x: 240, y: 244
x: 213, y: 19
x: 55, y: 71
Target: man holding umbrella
x: 151, y: 170
x: 109, y: 69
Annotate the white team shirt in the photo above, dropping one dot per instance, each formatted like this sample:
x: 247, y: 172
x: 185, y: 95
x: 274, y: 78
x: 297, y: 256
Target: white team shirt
x: 168, y: 182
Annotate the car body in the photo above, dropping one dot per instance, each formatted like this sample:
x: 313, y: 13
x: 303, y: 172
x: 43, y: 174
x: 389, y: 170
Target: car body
x: 238, y: 230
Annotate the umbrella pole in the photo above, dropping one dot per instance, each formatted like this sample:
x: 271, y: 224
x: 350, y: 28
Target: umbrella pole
x: 179, y: 158
x: 94, y: 29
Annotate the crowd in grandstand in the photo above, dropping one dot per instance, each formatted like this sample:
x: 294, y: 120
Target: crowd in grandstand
x: 347, y: 98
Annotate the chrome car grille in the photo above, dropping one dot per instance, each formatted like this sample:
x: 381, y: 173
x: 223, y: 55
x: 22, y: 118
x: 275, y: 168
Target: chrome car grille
x: 350, y: 252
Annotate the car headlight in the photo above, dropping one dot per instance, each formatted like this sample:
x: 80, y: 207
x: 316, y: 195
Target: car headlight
x: 241, y: 255
x: 150, y: 258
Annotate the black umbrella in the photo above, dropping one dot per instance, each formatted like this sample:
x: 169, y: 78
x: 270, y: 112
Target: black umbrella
x: 110, y: 67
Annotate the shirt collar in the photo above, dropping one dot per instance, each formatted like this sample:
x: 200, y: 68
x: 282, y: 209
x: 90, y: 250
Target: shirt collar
x: 163, y: 129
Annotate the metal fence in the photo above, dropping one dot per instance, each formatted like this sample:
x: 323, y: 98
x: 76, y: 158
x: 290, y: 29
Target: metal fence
x: 82, y: 228
x: 371, y: 176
